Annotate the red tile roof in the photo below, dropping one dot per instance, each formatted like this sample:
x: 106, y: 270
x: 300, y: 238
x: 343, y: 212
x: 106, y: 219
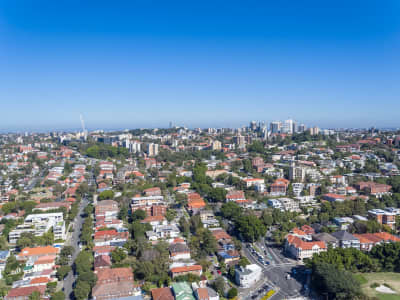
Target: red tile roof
x: 38, y: 251
x: 25, y: 291
x: 162, y: 294
x: 299, y: 243
x: 186, y: 269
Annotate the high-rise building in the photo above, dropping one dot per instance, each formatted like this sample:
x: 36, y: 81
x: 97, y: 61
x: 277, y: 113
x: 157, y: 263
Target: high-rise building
x: 297, y: 172
x: 302, y: 128
x: 314, y: 130
x: 253, y: 125
x: 239, y: 140
x: 275, y: 126
x: 152, y: 149
x: 287, y: 126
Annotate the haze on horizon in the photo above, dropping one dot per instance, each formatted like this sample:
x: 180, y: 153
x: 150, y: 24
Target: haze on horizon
x: 205, y: 64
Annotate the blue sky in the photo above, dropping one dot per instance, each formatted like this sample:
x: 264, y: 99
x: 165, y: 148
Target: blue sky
x: 127, y: 64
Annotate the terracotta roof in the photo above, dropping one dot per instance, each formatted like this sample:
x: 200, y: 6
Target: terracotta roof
x: 162, y: 294
x: 186, y: 269
x: 298, y: 231
x: 299, y: 243
x: 102, y: 261
x: 113, y: 274
x: 387, y: 236
x: 47, y: 259
x: 38, y: 251
x: 220, y: 234
x: 39, y: 280
x: 103, y: 249
x: 25, y: 291
x: 202, y: 293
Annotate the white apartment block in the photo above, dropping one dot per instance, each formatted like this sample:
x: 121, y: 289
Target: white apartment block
x: 248, y: 276
x: 38, y: 224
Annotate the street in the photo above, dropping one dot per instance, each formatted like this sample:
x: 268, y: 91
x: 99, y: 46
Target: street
x: 275, y: 274
x: 74, y: 241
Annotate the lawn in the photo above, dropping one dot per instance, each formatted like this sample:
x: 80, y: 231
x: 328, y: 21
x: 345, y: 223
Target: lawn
x: 387, y: 296
x: 391, y: 279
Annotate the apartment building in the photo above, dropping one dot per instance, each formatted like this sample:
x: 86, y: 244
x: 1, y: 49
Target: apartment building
x: 384, y: 216
x: 247, y: 276
x: 38, y: 224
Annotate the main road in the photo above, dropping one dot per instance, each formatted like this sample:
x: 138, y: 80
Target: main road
x: 74, y: 241
x: 274, y: 276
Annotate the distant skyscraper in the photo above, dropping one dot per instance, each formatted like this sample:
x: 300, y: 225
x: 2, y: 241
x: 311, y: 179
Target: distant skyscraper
x: 253, y: 125
x: 287, y: 126
x: 314, y: 130
x: 275, y: 127
x: 302, y: 128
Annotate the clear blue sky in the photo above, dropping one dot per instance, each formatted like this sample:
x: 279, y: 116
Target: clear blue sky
x: 200, y: 63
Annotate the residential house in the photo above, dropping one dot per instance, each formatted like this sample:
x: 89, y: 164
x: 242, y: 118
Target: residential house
x: 164, y: 293
x: 327, y: 238
x: 206, y: 293
x: 179, y: 251
x: 114, y: 283
x: 182, y: 291
x: 185, y: 270
x: 346, y: 240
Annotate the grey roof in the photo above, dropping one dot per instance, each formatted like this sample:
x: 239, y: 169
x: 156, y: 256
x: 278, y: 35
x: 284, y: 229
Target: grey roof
x: 325, y: 237
x: 178, y: 248
x: 343, y: 235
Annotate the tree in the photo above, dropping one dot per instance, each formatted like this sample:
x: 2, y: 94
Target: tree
x: 139, y: 214
x: 250, y: 227
x: 243, y: 262
x: 184, y: 226
x: 219, y: 286
x: 203, y: 243
x: 83, y: 262
x: 217, y: 195
x: 118, y: 255
x: 170, y: 215
x: 63, y: 271
x: 8, y: 207
x: 231, y: 210
x: 267, y: 218
x: 67, y: 251
x: 106, y: 195
x: 51, y: 287
x: 3, y: 243
x: 232, y: 293
x: 26, y: 240
x: 34, y: 296
x: 336, y: 283
x: 88, y: 277
x: 199, y: 173
x: 82, y: 290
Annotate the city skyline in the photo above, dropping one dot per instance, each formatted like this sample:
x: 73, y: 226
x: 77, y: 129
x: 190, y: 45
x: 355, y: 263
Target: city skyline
x: 203, y: 65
